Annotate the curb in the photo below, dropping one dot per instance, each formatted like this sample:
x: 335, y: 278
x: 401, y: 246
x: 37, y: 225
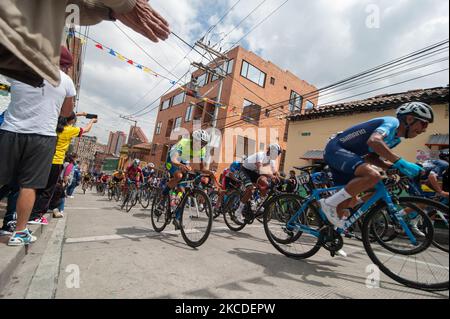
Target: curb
x: 7, y: 272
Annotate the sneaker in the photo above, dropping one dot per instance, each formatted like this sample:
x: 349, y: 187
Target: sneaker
x: 21, y: 238
x: 8, y: 229
x: 71, y: 197
x: 331, y: 214
x: 342, y: 253
x: 416, y: 231
x: 57, y: 214
x: 39, y: 221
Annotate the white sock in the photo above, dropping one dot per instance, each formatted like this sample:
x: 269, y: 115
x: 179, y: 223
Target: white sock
x: 338, y: 198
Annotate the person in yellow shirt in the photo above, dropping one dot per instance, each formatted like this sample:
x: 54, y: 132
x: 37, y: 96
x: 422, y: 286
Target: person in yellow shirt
x: 66, y: 131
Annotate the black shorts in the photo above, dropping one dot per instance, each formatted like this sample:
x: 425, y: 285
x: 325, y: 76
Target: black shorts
x: 248, y: 177
x: 26, y: 158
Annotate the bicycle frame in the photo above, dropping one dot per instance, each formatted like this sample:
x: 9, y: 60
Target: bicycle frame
x: 380, y: 194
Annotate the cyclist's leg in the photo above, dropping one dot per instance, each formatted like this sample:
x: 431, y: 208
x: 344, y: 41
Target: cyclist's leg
x: 351, y: 170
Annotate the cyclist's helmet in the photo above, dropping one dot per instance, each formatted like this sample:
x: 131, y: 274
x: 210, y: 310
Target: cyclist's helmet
x: 151, y: 165
x: 201, y: 136
x: 419, y: 110
x: 275, y: 149
x: 136, y: 162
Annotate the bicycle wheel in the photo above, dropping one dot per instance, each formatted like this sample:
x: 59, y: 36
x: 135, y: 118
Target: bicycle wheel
x: 418, y: 265
x: 110, y: 193
x: 196, y: 218
x: 290, y: 242
x: 129, y: 202
x: 145, y: 198
x: 233, y: 202
x: 160, y: 212
x: 439, y: 216
x: 134, y: 196
x: 117, y: 193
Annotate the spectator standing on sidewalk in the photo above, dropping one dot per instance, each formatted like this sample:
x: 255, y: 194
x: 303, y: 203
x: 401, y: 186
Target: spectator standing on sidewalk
x: 66, y: 132
x: 76, y: 180
x: 28, y: 140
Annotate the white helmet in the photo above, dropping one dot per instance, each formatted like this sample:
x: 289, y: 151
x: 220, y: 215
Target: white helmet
x: 151, y: 165
x: 419, y: 110
x: 275, y: 148
x: 137, y: 162
x: 201, y: 136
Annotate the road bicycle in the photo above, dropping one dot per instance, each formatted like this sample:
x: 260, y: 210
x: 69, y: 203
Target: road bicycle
x: 192, y: 214
x: 298, y: 228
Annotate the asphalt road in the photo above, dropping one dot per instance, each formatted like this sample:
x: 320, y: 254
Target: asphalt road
x: 99, y: 251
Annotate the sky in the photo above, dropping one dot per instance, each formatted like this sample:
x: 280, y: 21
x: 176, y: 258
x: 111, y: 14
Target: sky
x: 320, y: 41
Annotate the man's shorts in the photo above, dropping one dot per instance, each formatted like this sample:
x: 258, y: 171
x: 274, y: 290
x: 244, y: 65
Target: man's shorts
x: 248, y: 177
x: 342, y: 162
x: 26, y: 158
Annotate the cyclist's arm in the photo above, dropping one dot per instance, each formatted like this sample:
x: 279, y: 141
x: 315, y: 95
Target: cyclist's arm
x: 377, y: 144
x: 375, y: 159
x: 434, y: 183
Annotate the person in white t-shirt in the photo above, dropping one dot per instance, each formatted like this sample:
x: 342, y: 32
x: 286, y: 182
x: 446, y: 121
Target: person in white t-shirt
x: 28, y: 140
x: 256, y: 169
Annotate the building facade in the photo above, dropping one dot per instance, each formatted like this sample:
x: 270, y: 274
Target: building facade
x: 115, y: 142
x: 85, y: 147
x: 136, y: 136
x: 250, y: 114
x: 310, y: 132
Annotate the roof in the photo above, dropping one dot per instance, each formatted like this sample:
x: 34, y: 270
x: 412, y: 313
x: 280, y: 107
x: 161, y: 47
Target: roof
x: 145, y: 146
x: 438, y: 140
x: 376, y: 104
x: 313, y: 155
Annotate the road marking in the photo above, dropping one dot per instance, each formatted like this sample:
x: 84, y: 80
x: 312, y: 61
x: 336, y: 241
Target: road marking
x: 149, y: 234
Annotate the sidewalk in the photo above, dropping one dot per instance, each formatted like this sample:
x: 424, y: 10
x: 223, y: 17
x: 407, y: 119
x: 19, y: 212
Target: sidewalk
x: 11, y: 257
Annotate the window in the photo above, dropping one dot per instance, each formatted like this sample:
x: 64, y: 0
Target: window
x: 165, y: 105
x: 226, y: 67
x: 178, y: 99
x: 189, y: 113
x: 202, y: 80
x: 245, y: 146
x: 177, y: 124
x: 158, y: 128
x: 309, y: 105
x: 154, y: 148
x: 295, y: 103
x: 272, y: 81
x: 251, y: 112
x: 253, y: 74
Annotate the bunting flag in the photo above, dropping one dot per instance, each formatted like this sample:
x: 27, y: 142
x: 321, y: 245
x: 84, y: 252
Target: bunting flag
x: 121, y: 57
x: 99, y: 46
x: 111, y: 51
x: 130, y: 62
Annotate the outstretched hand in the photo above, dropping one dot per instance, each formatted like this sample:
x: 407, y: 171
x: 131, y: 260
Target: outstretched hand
x: 146, y: 21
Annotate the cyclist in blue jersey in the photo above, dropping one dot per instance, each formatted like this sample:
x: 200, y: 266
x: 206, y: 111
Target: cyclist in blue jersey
x: 352, y: 155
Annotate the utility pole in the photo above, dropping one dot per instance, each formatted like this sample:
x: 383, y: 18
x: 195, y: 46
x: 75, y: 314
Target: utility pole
x: 221, y: 59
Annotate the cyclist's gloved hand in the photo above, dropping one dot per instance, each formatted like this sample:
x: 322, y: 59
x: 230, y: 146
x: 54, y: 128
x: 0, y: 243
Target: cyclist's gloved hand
x: 409, y: 169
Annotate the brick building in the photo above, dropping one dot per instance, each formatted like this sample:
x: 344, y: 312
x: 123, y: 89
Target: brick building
x: 85, y: 147
x: 251, y: 88
x: 136, y: 136
x: 115, y: 142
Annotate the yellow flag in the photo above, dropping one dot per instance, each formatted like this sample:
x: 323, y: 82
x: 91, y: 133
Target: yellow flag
x: 121, y: 57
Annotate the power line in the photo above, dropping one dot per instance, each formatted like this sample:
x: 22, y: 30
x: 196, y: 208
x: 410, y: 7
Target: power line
x: 143, y: 50
x: 261, y: 22
x: 242, y: 21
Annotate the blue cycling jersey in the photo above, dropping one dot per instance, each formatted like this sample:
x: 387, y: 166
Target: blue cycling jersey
x: 355, y: 138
